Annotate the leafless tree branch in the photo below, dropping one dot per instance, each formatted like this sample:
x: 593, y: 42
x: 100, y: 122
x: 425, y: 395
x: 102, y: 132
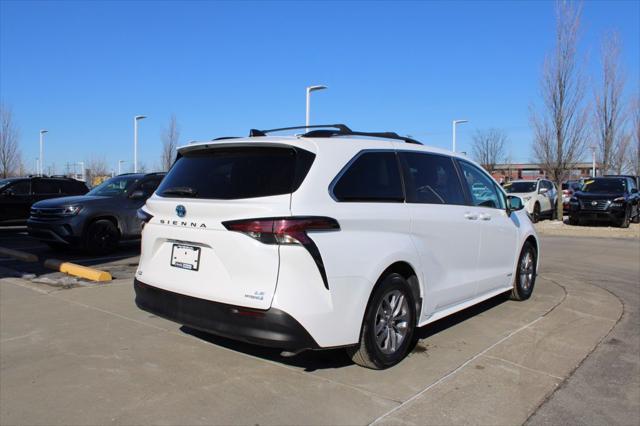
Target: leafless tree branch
x: 561, y: 128
x: 170, y: 137
x: 488, y: 147
x: 10, y: 161
x: 609, y: 117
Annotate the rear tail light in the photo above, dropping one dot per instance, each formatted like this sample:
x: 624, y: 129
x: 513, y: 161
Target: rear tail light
x: 287, y: 231
x: 143, y: 216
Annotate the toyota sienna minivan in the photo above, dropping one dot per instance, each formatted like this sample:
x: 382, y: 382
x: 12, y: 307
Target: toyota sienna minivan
x: 330, y: 238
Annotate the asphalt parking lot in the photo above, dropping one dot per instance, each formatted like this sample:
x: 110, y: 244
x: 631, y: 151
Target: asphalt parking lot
x: 84, y: 354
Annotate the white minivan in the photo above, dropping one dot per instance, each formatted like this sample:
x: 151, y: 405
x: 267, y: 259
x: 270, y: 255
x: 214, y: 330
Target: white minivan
x: 331, y: 238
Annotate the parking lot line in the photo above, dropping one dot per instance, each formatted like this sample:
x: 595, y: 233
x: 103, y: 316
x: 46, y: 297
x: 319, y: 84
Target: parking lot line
x: 455, y: 371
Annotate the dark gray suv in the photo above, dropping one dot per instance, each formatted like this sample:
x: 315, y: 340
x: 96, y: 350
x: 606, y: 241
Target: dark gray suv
x: 97, y: 221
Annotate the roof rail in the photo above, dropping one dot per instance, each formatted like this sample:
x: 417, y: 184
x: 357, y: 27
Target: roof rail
x: 341, y: 130
x: 256, y: 132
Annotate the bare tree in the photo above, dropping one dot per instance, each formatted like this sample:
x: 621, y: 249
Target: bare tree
x: 170, y: 137
x: 560, y: 129
x: 10, y: 161
x: 633, y: 157
x: 488, y: 147
x: 621, y: 154
x: 609, y: 120
x: 96, y: 170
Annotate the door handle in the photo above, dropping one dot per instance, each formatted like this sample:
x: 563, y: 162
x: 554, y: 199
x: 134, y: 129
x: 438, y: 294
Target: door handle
x: 470, y: 216
x: 485, y: 216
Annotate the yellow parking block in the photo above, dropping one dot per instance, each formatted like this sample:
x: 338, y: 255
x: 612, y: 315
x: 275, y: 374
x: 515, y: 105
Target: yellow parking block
x: 78, y: 270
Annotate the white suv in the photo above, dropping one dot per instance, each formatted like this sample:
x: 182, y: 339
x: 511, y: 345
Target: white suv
x: 328, y: 239
x: 538, y: 196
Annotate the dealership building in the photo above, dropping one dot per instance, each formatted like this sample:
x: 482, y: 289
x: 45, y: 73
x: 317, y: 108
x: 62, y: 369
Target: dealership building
x: 508, y: 172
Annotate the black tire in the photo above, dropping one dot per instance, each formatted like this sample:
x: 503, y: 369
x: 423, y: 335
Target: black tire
x: 636, y: 218
x: 535, y: 216
x: 624, y: 223
x: 101, y: 237
x: 367, y: 352
x: 57, y: 246
x: 526, y: 271
x: 573, y: 220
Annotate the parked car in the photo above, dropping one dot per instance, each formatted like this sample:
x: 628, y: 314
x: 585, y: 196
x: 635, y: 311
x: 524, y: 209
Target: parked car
x: 18, y: 194
x: 98, y: 220
x: 538, y: 196
x: 568, y: 189
x: 610, y: 199
x: 328, y: 240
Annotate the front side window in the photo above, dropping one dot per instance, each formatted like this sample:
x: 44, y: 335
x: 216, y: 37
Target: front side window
x: 22, y: 187
x: 371, y: 177
x: 482, y: 188
x: 431, y: 179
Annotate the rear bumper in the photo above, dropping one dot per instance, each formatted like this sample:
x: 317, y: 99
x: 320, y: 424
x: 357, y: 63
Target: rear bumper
x: 273, y: 327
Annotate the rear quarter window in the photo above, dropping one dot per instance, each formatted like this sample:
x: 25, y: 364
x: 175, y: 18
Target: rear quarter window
x: 237, y: 173
x: 371, y: 177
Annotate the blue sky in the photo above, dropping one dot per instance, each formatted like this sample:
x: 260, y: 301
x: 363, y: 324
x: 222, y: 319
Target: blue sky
x: 82, y: 70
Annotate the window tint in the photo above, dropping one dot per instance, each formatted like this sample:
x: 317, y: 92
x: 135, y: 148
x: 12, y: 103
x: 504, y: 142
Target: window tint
x: 150, y: 185
x: 482, y: 188
x: 236, y: 173
x: 373, y: 176
x: 45, y: 186
x: 22, y: 187
x: 431, y: 179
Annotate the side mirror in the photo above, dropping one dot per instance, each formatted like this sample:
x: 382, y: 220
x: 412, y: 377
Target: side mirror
x: 514, y: 203
x: 543, y: 191
x: 634, y: 190
x: 138, y: 194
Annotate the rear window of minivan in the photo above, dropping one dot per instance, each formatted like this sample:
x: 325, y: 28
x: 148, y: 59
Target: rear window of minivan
x: 236, y: 173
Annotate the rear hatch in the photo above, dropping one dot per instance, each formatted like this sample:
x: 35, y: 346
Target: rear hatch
x: 185, y: 246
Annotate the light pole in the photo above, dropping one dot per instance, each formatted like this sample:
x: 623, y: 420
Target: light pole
x: 81, y: 164
x: 119, y: 166
x: 309, y: 90
x: 593, y: 160
x: 135, y: 141
x: 42, y: 132
x: 455, y: 123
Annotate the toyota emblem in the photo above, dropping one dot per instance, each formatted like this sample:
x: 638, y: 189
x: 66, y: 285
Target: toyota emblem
x: 181, y: 211
x: 593, y: 203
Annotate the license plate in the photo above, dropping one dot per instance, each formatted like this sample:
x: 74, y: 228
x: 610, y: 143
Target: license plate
x: 185, y: 257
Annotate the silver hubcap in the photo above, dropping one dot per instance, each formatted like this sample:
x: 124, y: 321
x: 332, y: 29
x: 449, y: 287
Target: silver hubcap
x: 392, y: 322
x: 526, y: 270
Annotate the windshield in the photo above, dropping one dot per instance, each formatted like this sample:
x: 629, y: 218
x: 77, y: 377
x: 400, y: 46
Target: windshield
x: 604, y: 186
x: 4, y: 182
x: 114, y: 187
x: 520, y: 187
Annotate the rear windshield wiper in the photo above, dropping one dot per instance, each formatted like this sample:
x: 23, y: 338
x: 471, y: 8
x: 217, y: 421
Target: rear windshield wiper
x: 180, y: 190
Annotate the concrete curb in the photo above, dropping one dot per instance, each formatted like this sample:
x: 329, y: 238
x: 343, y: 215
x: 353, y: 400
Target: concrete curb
x: 59, y: 265
x: 78, y: 270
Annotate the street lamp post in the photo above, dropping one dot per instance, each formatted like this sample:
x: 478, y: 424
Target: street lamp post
x: 119, y: 166
x: 309, y: 90
x: 593, y: 160
x: 135, y: 141
x: 455, y: 123
x: 42, y: 132
x: 81, y: 164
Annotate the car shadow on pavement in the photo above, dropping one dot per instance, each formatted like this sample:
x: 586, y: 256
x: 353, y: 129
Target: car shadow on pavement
x: 311, y: 361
